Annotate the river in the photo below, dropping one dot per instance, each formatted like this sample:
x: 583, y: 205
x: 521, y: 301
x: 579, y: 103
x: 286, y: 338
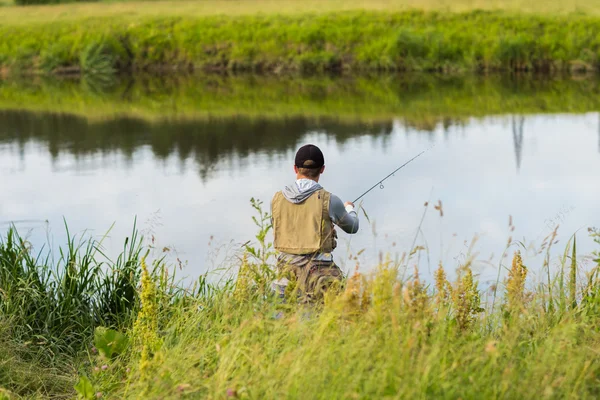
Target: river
x: 98, y: 157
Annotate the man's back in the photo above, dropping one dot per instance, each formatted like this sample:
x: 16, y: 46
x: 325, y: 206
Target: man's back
x: 304, y: 227
x: 304, y: 215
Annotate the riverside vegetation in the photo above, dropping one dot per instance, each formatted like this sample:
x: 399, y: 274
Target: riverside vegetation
x: 357, y: 41
x: 385, y: 334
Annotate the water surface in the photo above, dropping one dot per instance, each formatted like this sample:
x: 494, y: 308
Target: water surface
x: 189, y: 178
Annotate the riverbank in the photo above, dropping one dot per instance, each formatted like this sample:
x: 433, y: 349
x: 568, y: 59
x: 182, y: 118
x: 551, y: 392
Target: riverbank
x: 356, y: 41
x: 235, y: 340
x: 135, y: 10
x: 422, y: 101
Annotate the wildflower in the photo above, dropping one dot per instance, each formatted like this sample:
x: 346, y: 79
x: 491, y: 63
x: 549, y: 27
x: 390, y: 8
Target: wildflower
x: 146, y: 324
x: 441, y: 286
x: 515, y: 285
x: 465, y: 297
x: 231, y: 392
x: 99, y: 395
x: 104, y: 367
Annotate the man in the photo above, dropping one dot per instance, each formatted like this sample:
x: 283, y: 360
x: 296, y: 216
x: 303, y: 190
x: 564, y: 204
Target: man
x: 304, y: 215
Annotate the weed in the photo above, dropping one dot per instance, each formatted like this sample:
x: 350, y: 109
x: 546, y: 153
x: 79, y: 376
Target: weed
x: 515, y: 285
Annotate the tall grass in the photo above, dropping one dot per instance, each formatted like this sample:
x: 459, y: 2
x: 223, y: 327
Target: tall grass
x: 356, y: 41
x: 26, y: 372
x: 57, y: 303
x: 381, y: 336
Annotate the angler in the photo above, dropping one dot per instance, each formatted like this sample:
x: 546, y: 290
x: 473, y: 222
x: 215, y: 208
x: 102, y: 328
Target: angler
x: 304, y: 215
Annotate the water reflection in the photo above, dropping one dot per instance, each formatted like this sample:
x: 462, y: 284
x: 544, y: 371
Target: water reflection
x: 517, y: 131
x: 204, y: 141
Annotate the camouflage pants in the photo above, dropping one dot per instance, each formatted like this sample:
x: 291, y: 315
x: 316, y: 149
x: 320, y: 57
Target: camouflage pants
x: 307, y: 277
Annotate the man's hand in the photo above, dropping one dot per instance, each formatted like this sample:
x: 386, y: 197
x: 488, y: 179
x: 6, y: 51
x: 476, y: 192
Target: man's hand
x: 349, y: 206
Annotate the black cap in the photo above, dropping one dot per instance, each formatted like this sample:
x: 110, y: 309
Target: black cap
x: 307, y: 153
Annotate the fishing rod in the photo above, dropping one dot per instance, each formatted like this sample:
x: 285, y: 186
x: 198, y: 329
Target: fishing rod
x: 380, y: 183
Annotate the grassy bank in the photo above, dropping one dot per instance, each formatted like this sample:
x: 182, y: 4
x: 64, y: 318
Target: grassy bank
x: 421, y: 100
x: 350, y: 41
x: 385, y: 334
x: 137, y: 10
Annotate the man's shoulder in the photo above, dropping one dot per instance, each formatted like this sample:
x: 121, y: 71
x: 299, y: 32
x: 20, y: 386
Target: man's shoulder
x: 333, y: 198
x: 336, y: 205
x: 276, y: 195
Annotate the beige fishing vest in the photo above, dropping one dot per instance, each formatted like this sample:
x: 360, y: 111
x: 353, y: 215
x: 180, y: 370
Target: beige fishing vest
x: 303, y: 228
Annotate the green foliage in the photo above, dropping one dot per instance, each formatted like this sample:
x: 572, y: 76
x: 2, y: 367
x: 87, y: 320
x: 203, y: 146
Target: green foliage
x: 378, y: 334
x: 370, y: 349
x: 256, y: 272
x: 25, y: 372
x: 357, y: 41
x: 85, y: 389
x: 109, y: 342
x: 590, y: 303
x: 58, y: 303
x: 95, y: 60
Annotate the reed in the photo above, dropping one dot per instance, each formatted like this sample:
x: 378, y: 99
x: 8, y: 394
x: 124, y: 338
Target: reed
x: 57, y: 302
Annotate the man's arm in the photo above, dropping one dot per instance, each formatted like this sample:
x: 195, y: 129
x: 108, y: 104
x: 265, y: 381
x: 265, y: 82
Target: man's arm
x: 343, y: 216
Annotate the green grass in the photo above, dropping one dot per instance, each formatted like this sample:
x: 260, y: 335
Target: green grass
x: 382, y: 337
x: 136, y: 10
x: 58, y: 300
x: 351, y: 41
x: 24, y: 372
x: 386, y: 334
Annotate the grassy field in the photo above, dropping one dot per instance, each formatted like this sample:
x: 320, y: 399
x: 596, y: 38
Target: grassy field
x: 95, y: 43
x: 384, y: 334
x: 422, y: 101
x: 133, y: 10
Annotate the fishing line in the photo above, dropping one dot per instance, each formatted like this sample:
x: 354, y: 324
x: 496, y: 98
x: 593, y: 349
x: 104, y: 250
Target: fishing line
x: 380, y: 183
